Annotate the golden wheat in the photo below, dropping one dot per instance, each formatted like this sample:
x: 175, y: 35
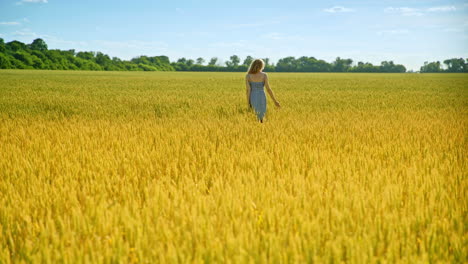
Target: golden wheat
x: 171, y: 167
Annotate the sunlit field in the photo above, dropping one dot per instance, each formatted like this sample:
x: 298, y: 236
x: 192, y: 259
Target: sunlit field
x: 136, y: 167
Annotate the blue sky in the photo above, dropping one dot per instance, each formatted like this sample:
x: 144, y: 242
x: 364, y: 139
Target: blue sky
x: 408, y: 32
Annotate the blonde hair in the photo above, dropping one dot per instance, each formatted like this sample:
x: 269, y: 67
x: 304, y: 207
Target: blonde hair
x: 256, y: 66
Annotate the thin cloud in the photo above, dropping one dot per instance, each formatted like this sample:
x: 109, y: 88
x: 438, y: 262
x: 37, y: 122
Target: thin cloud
x: 280, y: 36
x: 253, y: 25
x: 408, y: 11
x: 441, y: 9
x: 452, y: 30
x: 31, y: 1
x: 338, y: 9
x: 10, y: 23
x: 248, y: 25
x: 393, y: 32
x: 405, y: 11
x: 235, y: 44
x: 34, y: 1
x: 28, y: 34
x: 134, y: 44
x: 25, y: 33
x: 274, y: 36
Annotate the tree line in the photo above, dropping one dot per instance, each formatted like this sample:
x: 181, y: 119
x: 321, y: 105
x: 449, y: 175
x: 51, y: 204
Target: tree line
x: 453, y: 65
x: 18, y: 55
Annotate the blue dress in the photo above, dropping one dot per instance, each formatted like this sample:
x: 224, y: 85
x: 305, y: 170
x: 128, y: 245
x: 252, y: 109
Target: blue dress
x: 258, y: 98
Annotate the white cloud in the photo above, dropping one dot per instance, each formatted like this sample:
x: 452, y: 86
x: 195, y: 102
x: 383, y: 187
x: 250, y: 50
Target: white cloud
x: 442, y: 9
x: 247, y: 25
x: 405, y: 11
x: 31, y: 1
x: 253, y: 25
x: 283, y: 37
x: 338, y: 9
x: 235, y: 44
x: 393, y: 32
x: 10, y: 23
x: 133, y: 44
x: 128, y: 49
x: 408, y: 11
x: 273, y: 35
x: 25, y: 33
x: 34, y: 1
x: 456, y: 30
x: 198, y: 34
x: 257, y: 24
x: 54, y: 41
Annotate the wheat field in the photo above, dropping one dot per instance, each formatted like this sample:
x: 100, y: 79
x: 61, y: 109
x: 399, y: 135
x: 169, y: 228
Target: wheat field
x: 125, y: 167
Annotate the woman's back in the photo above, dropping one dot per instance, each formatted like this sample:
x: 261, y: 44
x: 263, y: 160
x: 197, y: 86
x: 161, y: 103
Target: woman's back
x: 257, y: 81
x: 257, y: 77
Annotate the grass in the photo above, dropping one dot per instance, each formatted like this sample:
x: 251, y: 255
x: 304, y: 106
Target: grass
x: 124, y: 167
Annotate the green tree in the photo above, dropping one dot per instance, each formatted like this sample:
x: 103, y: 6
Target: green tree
x: 267, y: 62
x: 248, y: 60
x: 389, y: 66
x: 287, y: 64
x: 38, y: 44
x: 455, y: 65
x: 200, y: 61
x: 24, y: 57
x: 234, y: 61
x: 86, y: 55
x: 103, y: 60
x: 17, y: 64
x: 342, y: 65
x: 213, y: 61
x: 2, y: 45
x: 365, y: 67
x: 182, y: 60
x: 431, y: 67
x: 4, y: 62
x: 15, y: 45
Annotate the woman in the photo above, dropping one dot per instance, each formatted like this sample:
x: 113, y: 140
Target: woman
x: 255, y: 80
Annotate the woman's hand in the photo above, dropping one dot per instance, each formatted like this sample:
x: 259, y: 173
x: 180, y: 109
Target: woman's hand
x: 277, y: 104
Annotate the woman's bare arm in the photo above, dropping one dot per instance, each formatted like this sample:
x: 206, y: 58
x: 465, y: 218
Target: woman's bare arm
x: 247, y: 86
x: 270, y: 91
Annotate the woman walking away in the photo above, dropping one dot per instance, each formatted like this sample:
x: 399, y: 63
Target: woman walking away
x: 255, y: 80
